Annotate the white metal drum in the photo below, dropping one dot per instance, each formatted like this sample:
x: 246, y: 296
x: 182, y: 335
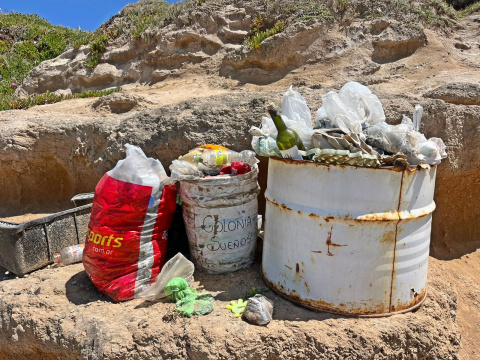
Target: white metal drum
x: 346, y: 239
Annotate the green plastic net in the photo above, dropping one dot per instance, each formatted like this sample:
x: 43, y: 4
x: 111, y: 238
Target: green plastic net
x: 179, y: 289
x: 188, y: 302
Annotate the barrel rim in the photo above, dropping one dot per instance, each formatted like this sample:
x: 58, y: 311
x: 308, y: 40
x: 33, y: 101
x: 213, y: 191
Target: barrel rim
x: 411, y: 168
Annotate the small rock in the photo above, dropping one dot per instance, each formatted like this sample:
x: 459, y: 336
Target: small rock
x: 462, y: 46
x: 63, y: 92
x: 259, y: 310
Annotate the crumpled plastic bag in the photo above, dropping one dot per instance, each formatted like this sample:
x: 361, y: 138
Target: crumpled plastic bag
x: 405, y: 139
x: 353, y: 108
x: 136, y: 168
x: 295, y: 107
x: 390, y: 138
x: 183, y: 170
x: 263, y: 144
x: 177, y: 266
x: 188, y: 302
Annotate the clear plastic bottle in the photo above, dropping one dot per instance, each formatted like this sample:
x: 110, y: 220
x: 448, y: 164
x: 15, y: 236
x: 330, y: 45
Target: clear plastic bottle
x: 69, y: 255
x: 216, y: 158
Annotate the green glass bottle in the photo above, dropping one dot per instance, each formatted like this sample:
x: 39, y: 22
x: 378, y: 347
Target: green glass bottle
x: 288, y: 140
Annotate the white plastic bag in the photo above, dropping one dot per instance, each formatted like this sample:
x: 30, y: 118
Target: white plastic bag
x: 352, y: 107
x: 178, y: 266
x: 360, y: 99
x: 295, y: 108
x: 136, y: 168
x: 341, y: 115
x: 417, y: 117
x: 389, y: 138
x: 433, y: 151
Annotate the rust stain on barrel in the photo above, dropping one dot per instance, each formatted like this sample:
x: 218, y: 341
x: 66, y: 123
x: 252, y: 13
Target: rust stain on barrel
x: 330, y: 243
x: 388, y: 237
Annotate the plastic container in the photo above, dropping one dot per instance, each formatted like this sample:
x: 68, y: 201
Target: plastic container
x: 31, y: 245
x: 347, y: 239
x: 69, y: 255
x: 221, y: 220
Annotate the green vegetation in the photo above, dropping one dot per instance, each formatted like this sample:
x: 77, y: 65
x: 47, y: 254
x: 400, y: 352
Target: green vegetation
x: 8, y: 103
x: 432, y: 12
x: 259, y: 32
x: 415, y: 26
x: 28, y: 40
x: 470, y: 9
x: 97, y: 45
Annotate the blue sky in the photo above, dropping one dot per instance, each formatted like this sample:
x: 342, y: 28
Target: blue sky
x: 87, y: 14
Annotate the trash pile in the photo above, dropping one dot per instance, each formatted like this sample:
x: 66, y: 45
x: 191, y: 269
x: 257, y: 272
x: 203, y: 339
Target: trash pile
x: 134, y: 203
x: 348, y: 129
x: 212, y: 160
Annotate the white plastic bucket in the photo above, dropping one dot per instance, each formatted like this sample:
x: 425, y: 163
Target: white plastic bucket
x: 221, y: 221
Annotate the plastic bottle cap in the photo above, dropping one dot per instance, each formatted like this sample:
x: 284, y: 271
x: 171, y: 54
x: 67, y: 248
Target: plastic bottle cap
x: 56, y: 258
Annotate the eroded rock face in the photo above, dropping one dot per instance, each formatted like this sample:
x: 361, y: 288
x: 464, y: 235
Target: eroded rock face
x: 397, y: 41
x: 47, y: 160
x: 216, y: 41
x: 159, y: 53
x: 457, y: 93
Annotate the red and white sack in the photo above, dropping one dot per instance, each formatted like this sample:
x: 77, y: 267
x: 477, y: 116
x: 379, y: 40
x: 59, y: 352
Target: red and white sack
x: 132, y: 211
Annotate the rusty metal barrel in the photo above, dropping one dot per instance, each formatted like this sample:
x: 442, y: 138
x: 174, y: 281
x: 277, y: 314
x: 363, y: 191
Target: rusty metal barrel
x: 346, y: 239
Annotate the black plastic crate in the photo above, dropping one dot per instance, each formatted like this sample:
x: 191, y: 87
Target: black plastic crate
x: 28, y: 246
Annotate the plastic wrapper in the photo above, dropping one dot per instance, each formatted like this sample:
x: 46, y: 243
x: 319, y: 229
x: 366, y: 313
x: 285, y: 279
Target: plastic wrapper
x: 178, y: 266
x: 259, y: 310
x: 433, y: 151
x: 265, y: 146
x: 405, y: 139
x: 183, y: 170
x: 235, y: 168
x: 389, y: 138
